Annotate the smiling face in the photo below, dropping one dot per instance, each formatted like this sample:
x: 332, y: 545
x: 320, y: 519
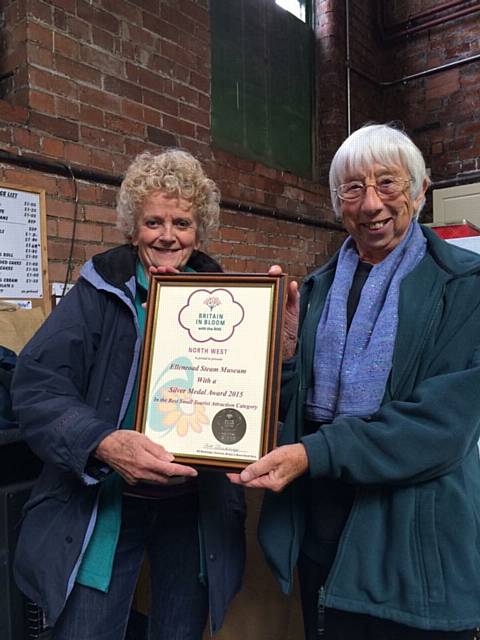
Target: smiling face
x: 378, y: 225
x: 165, y: 232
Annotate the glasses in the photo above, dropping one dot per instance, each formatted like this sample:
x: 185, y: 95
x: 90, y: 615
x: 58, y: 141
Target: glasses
x: 385, y: 188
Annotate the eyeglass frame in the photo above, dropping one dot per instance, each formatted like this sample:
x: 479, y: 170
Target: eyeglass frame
x: 382, y: 196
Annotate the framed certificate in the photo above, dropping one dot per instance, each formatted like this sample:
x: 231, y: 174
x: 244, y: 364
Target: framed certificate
x: 210, y: 373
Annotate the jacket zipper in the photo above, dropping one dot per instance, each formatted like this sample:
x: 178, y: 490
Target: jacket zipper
x: 321, y: 613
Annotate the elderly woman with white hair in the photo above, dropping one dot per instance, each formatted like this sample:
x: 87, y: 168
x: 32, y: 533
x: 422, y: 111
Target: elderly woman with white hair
x: 107, y: 493
x: 376, y: 485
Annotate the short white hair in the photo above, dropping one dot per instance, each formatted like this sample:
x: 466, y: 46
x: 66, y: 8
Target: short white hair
x: 382, y: 144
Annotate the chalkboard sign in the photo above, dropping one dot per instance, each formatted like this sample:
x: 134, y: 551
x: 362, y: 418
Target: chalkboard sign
x: 23, y: 246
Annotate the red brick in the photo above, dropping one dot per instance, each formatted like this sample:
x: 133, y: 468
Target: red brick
x: 31, y: 178
x: 120, y: 164
x: 53, y: 83
x: 148, y: 5
x: 43, y: 102
x: 40, y: 35
x: 234, y: 265
x: 78, y: 28
x: 152, y: 117
x: 56, y: 126
x: 103, y: 39
x: 200, y: 82
x: 68, y: 47
x: 124, y: 9
x: 52, y: 147
x: 101, y: 60
x: 179, y: 55
x: 26, y: 139
x: 100, y: 18
x: 78, y: 154
x: 122, y: 88
x: 87, y: 192
x: 162, y: 103
x: 77, y: 70
x: 101, y: 138
x: 230, y: 233
x: 40, y: 56
x: 132, y: 110
x: 12, y: 113
x: 67, y: 5
x: 100, y: 214
x: 60, y: 208
x: 194, y: 115
x: 51, y: 227
x: 56, y: 271
x: 65, y: 108
x: 160, y: 27
x: 83, y: 230
x: 91, y: 250
x: 102, y: 160
x: 244, y: 249
x: 60, y: 19
x: 58, y: 250
x: 124, y: 125
x: 91, y: 96
x: 195, y: 12
x: 219, y: 248
x: 111, y: 235
x: 178, y: 126
x: 91, y: 115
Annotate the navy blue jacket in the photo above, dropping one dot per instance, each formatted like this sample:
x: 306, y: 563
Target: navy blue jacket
x: 71, y: 388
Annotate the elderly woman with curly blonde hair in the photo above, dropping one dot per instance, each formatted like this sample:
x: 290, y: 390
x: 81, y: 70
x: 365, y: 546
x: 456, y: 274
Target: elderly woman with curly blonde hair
x: 107, y: 494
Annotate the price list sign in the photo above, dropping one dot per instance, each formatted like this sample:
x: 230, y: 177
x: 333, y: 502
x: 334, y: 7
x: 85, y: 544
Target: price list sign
x: 21, y: 272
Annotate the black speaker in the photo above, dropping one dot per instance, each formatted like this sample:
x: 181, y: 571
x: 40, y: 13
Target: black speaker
x: 19, y: 619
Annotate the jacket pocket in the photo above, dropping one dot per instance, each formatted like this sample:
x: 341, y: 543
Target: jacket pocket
x: 62, y: 492
x: 429, y: 546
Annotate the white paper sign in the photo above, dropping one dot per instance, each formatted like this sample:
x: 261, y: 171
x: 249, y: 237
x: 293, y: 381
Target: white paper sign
x: 20, y: 244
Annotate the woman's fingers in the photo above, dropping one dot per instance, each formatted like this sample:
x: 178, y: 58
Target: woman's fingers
x: 135, y: 457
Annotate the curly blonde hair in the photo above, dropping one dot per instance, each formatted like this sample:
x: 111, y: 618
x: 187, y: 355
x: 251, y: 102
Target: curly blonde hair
x: 173, y: 172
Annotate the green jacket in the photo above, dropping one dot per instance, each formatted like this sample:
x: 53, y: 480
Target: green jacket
x: 410, y: 551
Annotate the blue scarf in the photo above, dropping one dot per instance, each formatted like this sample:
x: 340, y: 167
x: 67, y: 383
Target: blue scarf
x: 351, y: 368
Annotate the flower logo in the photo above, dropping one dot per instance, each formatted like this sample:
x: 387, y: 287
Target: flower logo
x: 217, y: 325
x: 180, y: 411
x: 212, y: 302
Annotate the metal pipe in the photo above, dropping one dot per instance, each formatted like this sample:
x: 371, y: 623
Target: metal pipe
x: 414, y: 76
x: 469, y: 177
x: 278, y: 214
x: 348, y: 66
x: 426, y: 12
x: 48, y: 166
x: 37, y: 163
x: 431, y: 23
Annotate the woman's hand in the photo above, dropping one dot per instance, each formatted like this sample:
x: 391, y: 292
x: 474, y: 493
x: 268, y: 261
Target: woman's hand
x: 136, y: 458
x: 275, y: 470
x: 160, y: 271
x: 292, y: 309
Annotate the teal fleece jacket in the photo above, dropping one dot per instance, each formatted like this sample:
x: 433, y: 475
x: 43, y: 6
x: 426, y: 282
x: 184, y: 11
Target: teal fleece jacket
x: 410, y: 551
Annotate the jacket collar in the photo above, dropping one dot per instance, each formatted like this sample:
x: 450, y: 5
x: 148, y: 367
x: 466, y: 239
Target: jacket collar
x: 117, y: 266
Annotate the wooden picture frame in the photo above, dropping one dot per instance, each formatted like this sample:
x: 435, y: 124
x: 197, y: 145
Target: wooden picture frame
x: 210, y: 373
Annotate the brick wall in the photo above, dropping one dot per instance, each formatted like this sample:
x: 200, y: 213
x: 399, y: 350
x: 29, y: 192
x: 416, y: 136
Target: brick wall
x: 391, y: 41
x: 94, y: 83
x: 365, y: 54
x: 440, y: 109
